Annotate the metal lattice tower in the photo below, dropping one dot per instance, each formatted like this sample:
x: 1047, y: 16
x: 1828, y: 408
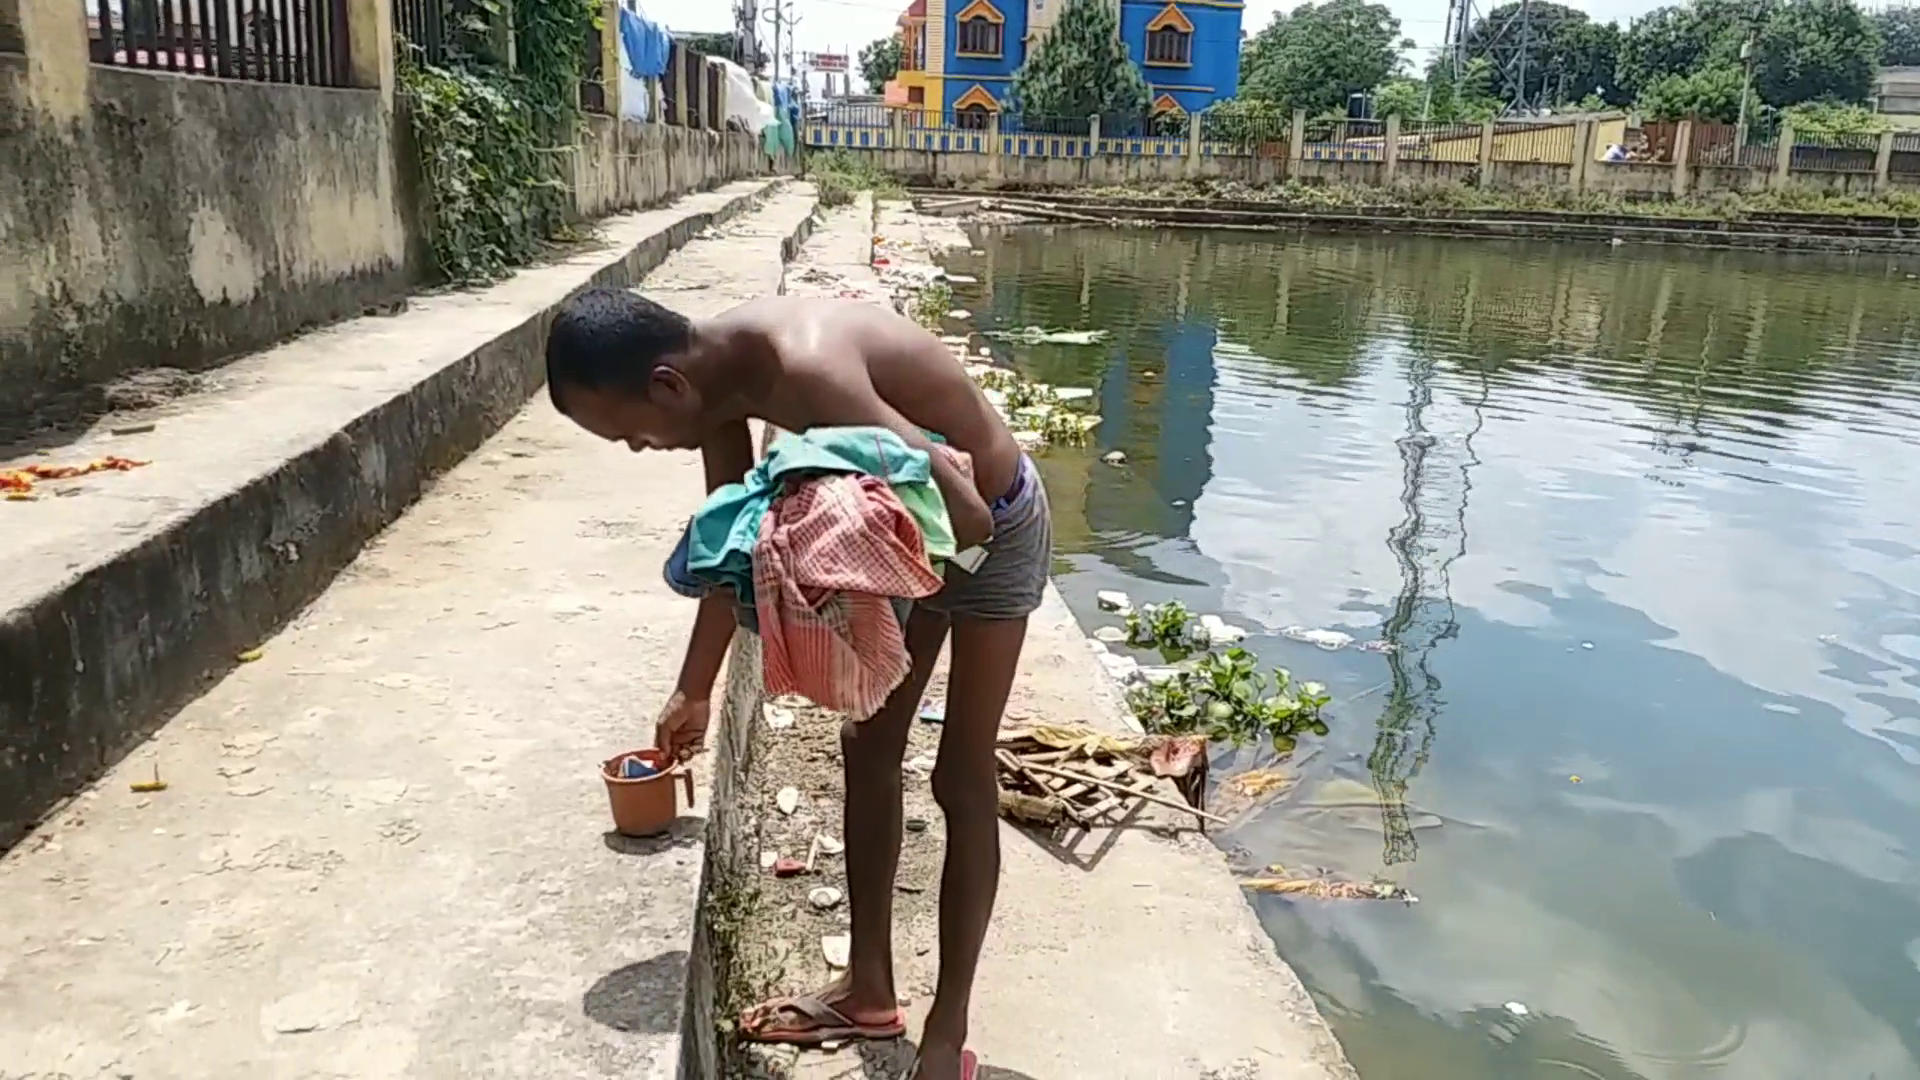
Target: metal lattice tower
x: 1509, y: 40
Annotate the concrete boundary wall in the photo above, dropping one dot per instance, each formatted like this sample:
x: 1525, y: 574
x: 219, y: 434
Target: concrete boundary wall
x: 961, y: 169
x: 111, y: 619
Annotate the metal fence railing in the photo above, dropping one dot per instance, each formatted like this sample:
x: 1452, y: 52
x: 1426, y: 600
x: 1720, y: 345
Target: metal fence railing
x: 283, y: 41
x: 1725, y: 145
x: 1433, y: 141
x: 1905, y: 160
x: 1549, y: 144
x: 593, y: 85
x: 1239, y: 131
x: 669, y: 92
x: 1835, y: 152
x: 421, y: 26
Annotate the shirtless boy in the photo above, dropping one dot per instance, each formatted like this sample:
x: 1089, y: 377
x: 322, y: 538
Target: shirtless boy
x: 628, y: 370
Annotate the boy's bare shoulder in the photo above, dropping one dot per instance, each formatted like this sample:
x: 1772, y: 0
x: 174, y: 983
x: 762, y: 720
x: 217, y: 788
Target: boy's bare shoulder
x: 774, y: 311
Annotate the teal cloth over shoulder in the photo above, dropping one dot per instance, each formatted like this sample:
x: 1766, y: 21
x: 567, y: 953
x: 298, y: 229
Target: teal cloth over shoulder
x: 721, y: 537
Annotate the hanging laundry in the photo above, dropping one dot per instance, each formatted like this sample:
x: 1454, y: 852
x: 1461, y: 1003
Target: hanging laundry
x: 832, y: 551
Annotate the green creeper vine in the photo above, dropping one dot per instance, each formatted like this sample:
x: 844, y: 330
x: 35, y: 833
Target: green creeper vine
x: 494, y: 140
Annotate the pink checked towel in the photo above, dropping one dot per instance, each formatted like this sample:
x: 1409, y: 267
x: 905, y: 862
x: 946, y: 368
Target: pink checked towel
x: 832, y: 551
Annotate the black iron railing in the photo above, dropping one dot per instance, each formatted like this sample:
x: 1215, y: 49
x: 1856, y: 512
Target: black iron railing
x: 283, y: 41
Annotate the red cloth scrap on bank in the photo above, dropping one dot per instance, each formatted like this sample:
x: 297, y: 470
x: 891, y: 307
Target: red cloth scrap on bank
x: 832, y: 551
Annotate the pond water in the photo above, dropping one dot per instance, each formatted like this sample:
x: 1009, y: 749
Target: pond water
x: 1645, y: 518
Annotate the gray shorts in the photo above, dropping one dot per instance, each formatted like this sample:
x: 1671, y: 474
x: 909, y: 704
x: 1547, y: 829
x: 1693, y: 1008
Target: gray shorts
x: 1012, y: 580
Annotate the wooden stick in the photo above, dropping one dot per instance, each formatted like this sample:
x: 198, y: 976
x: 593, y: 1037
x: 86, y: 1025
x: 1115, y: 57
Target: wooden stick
x: 1111, y: 786
x: 1022, y: 769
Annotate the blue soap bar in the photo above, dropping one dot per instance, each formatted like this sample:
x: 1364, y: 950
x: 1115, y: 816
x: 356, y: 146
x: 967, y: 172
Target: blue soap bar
x: 635, y: 769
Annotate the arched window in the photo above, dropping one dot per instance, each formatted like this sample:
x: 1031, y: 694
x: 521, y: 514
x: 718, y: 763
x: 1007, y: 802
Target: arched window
x: 980, y: 30
x: 974, y: 109
x: 1170, y: 39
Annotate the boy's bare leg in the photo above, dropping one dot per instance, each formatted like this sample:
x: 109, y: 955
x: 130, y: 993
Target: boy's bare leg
x: 985, y: 656
x: 872, y: 752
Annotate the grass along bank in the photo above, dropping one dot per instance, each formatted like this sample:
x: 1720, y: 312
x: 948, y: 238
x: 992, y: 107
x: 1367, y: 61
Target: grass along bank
x: 1713, y: 206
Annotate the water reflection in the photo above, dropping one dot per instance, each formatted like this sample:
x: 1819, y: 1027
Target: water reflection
x: 1437, y: 466
x: 1692, y: 492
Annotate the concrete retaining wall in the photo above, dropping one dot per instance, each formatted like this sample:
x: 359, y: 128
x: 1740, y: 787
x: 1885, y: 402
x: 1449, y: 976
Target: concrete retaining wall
x: 176, y: 221
x: 170, y: 220
x: 1650, y: 181
x: 625, y: 165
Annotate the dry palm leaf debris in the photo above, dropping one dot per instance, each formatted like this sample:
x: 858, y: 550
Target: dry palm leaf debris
x: 1323, y: 887
x: 18, y: 483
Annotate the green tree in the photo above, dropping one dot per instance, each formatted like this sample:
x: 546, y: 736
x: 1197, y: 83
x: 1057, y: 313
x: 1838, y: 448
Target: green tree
x: 1081, y: 68
x: 726, y: 46
x: 880, y: 62
x: 1400, y: 96
x: 1318, y: 55
x: 1709, y: 94
x: 1683, y: 40
x: 1815, y: 50
x: 1569, y: 56
x: 1830, y: 118
x: 1899, y: 36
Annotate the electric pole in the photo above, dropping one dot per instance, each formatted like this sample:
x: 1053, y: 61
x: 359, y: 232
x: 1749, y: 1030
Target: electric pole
x: 1746, y: 91
x: 1521, y: 97
x: 746, y: 28
x: 783, y: 21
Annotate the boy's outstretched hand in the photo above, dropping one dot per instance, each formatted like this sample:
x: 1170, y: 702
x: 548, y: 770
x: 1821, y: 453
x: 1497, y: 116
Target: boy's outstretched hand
x: 681, y: 731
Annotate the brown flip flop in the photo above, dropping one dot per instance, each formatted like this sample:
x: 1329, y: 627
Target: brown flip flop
x: 828, y: 1024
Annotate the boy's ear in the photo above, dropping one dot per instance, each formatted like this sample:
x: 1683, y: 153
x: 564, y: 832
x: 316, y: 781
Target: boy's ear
x: 668, y: 386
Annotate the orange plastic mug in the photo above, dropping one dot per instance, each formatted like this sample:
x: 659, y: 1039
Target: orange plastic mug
x: 644, y: 805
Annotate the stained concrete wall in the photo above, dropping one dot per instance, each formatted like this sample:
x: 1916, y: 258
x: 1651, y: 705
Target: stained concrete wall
x: 150, y: 219
x: 173, y: 220
x: 624, y: 165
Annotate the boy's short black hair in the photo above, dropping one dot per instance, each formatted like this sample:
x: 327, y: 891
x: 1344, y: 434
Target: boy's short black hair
x: 611, y: 339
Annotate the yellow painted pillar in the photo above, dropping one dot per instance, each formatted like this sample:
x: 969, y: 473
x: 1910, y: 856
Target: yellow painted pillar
x: 1196, y: 130
x: 1486, y: 153
x: 1682, y: 153
x: 1390, y: 149
x: 370, y: 46
x: 53, y: 35
x: 612, y: 67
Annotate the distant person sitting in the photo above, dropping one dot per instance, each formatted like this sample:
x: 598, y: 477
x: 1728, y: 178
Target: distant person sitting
x: 1615, y: 152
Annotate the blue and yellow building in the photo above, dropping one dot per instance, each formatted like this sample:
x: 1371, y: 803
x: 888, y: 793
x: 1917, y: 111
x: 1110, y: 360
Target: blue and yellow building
x: 958, y: 57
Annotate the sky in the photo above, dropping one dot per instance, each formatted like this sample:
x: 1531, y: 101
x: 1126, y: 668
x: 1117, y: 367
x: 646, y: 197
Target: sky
x: 846, y: 25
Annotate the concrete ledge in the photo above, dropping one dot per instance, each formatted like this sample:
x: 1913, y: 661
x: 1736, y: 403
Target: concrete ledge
x: 1489, y: 224
x: 126, y: 601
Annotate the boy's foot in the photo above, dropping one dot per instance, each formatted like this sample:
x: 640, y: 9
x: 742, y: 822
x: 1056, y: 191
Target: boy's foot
x: 969, y: 1065
x: 812, y: 1019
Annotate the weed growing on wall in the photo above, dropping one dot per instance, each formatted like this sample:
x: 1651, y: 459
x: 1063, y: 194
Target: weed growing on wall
x: 839, y: 176
x: 494, y: 139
